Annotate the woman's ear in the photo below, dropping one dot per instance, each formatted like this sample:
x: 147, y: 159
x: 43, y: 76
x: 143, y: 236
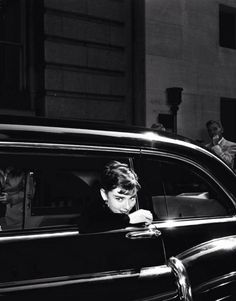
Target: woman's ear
x: 103, y: 194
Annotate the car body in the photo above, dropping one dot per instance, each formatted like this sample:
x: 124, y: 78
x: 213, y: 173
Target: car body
x: 189, y: 190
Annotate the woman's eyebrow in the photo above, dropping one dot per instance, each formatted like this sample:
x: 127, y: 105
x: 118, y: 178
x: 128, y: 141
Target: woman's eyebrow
x: 128, y: 195
x: 120, y: 194
x: 125, y: 194
x: 133, y: 195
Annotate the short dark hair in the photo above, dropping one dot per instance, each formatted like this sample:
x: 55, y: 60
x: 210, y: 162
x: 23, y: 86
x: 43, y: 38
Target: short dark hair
x: 117, y: 174
x: 210, y: 122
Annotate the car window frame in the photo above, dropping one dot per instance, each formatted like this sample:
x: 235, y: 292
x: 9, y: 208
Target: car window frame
x: 40, y: 148
x: 165, y: 154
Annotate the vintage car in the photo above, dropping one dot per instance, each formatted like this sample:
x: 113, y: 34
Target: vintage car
x: 187, y: 253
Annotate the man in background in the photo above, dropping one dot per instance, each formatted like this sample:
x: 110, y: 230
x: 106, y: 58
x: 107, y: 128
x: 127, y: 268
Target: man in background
x: 225, y: 149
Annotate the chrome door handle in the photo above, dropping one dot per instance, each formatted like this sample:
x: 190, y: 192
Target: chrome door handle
x: 149, y: 233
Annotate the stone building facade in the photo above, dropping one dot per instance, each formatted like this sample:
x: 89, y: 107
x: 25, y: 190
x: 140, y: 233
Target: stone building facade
x: 73, y: 59
x: 113, y: 60
x: 184, y: 48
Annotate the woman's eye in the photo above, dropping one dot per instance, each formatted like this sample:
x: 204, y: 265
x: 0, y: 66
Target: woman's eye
x: 119, y: 199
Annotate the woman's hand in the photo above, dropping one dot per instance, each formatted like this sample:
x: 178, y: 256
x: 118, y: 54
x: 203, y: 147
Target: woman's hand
x: 141, y: 216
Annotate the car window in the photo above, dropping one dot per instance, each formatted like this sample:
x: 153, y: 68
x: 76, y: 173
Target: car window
x: 63, y: 191
x: 180, y: 190
x: 48, y: 190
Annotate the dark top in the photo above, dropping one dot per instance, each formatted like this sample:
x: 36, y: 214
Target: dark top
x: 3, y: 209
x: 97, y: 217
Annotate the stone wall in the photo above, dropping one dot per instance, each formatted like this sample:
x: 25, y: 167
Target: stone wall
x: 182, y: 50
x: 87, y: 67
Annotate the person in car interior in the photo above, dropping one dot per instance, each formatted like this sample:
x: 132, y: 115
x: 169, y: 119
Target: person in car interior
x: 13, y: 190
x: 115, y: 207
x: 219, y: 145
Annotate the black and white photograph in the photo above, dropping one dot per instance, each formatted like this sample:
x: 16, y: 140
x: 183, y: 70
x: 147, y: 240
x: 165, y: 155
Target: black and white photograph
x: 117, y: 150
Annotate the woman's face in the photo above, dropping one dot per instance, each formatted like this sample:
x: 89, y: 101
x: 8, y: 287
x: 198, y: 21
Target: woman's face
x: 117, y: 201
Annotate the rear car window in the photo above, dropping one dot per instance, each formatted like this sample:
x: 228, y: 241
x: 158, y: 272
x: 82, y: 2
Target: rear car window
x: 179, y: 190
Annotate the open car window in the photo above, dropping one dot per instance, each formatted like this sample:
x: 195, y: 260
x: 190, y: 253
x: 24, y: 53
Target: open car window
x: 50, y: 189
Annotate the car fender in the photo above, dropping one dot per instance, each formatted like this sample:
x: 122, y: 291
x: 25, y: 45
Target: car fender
x: 207, y: 268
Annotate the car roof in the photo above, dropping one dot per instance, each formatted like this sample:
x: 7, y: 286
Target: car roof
x: 59, y: 127
x: 48, y: 130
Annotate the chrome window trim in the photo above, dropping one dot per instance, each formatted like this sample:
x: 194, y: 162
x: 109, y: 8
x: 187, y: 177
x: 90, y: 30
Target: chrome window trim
x: 62, y: 146
x: 25, y: 237
x: 182, y: 280
x: 153, y: 272
x: 178, y: 157
x: 171, y: 223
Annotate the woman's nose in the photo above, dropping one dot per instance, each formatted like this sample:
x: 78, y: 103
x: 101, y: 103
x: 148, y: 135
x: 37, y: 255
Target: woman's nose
x: 127, y: 205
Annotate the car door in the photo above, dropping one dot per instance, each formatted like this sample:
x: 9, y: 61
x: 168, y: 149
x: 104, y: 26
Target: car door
x: 189, y: 205
x: 48, y: 257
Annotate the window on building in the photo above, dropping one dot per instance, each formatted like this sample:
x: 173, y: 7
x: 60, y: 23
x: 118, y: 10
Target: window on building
x: 12, y: 54
x: 227, y: 116
x: 227, y: 26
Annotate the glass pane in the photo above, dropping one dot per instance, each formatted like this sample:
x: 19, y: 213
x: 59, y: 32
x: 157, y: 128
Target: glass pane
x: 179, y: 190
x: 190, y: 193
x: 12, y: 62
x: 10, y: 20
x: 10, y: 68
